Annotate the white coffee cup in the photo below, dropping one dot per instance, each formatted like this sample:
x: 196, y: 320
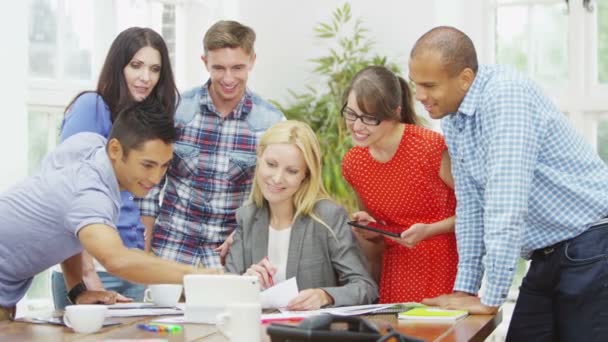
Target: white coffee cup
x: 163, y: 294
x: 241, y: 322
x: 85, y: 319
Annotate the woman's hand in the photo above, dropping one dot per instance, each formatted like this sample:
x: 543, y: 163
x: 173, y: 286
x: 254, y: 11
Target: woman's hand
x: 311, y: 299
x: 264, y: 270
x: 365, y: 218
x: 412, y: 236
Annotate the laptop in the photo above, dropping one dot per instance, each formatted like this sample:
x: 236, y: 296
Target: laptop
x: 208, y: 295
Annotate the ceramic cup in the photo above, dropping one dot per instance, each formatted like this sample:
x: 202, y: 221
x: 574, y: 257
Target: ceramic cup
x: 241, y: 322
x: 85, y: 319
x: 163, y: 294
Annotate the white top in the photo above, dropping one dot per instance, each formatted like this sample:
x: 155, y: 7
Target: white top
x: 278, y: 249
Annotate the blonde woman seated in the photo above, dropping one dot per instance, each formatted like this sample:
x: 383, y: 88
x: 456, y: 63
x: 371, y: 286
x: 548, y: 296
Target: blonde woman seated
x: 290, y: 227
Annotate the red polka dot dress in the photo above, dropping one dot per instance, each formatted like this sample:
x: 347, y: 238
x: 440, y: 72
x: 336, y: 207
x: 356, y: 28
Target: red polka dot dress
x: 404, y: 191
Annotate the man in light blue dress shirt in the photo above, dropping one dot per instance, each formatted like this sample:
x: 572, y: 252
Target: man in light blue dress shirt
x: 526, y: 184
x: 73, y: 204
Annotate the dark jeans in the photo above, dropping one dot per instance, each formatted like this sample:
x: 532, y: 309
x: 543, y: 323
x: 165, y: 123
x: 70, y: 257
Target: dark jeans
x: 110, y: 283
x: 564, y: 296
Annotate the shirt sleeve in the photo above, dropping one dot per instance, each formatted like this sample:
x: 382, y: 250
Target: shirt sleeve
x: 513, y: 143
x: 469, y: 233
x: 91, y: 206
x: 88, y: 113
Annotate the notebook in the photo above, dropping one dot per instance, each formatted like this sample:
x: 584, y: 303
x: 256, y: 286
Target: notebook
x: 431, y: 313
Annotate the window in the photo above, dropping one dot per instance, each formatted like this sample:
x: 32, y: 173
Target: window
x: 563, y: 45
x: 533, y: 37
x: 61, y: 39
x: 43, y: 132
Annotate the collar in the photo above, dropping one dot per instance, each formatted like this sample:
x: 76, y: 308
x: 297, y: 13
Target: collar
x: 472, y: 99
x: 240, y: 112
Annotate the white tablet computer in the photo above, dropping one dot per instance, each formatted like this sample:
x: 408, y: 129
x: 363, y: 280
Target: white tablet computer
x: 208, y: 295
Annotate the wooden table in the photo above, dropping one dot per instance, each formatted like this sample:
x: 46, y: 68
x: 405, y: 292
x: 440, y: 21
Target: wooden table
x: 471, y: 328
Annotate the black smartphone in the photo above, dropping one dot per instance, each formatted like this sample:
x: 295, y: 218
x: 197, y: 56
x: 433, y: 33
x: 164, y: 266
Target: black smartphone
x: 374, y: 227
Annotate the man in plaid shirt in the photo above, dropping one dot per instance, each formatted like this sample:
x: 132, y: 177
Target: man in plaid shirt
x: 219, y: 124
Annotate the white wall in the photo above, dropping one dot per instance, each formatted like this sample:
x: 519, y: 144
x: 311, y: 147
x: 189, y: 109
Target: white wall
x: 13, y: 115
x: 286, y: 39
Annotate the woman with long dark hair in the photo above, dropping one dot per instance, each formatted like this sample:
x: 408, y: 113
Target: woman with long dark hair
x: 136, y: 68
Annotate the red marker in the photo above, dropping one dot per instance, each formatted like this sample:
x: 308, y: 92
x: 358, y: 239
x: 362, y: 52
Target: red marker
x: 282, y: 319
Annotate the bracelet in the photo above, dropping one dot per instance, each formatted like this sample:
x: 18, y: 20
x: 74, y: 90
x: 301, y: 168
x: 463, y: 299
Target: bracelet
x: 76, y: 291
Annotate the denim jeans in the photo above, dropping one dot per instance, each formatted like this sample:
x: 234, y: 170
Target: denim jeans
x: 110, y: 283
x: 564, y: 296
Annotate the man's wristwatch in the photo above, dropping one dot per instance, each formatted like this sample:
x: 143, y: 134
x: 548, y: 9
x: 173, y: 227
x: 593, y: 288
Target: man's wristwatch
x: 76, y: 291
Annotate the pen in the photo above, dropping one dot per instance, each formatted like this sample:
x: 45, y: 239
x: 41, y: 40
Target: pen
x: 269, y: 275
x: 282, y: 319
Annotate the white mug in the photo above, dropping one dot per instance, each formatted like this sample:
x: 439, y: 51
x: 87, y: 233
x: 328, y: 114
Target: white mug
x: 241, y: 322
x: 85, y: 319
x: 163, y: 294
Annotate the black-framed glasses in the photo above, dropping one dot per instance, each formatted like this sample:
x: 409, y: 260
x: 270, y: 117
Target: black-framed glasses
x: 350, y: 115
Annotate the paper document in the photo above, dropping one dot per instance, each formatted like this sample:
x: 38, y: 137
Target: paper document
x: 138, y: 305
x: 143, y: 312
x: 356, y: 310
x: 279, y: 295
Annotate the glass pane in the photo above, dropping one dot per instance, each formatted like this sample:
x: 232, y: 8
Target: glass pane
x: 77, y: 39
x: 43, y: 132
x: 549, y: 43
x: 43, y: 38
x: 602, y: 40
x: 511, y: 36
x: 534, y: 39
x: 168, y: 31
x: 602, y: 139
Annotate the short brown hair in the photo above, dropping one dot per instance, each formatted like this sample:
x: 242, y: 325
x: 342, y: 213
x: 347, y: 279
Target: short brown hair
x: 229, y: 34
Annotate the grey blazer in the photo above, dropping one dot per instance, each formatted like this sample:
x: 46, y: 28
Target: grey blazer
x: 316, y: 258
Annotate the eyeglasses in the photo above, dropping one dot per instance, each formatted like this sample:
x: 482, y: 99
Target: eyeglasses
x: 350, y: 115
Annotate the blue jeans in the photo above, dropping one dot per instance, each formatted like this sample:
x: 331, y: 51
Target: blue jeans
x: 110, y: 283
x: 564, y: 296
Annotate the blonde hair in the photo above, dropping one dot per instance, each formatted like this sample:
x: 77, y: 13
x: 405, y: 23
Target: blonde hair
x: 311, y: 190
x: 229, y: 34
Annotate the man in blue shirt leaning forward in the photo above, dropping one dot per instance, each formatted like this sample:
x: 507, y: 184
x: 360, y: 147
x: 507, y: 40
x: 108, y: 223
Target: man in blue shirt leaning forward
x: 526, y: 183
x: 74, y: 202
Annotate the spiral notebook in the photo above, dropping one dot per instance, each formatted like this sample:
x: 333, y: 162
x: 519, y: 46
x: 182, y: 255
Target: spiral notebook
x: 432, y: 313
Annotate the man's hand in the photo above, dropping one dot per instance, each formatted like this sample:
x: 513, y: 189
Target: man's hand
x: 310, y: 299
x: 411, y: 237
x: 97, y: 297
x: 461, y: 301
x: 225, y: 247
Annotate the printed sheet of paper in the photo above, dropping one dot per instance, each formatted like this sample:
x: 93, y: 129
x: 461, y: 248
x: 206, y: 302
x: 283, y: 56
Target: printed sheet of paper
x: 279, y: 295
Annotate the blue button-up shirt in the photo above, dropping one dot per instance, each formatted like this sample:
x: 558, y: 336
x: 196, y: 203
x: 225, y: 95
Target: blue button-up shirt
x: 524, y: 179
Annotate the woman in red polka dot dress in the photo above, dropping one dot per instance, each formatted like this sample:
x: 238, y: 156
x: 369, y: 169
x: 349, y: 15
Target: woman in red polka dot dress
x: 401, y: 173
